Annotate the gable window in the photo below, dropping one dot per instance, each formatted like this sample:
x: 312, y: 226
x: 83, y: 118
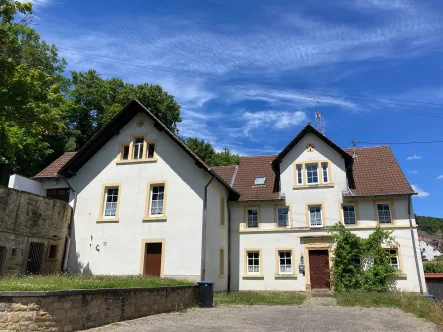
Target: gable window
x: 325, y: 172
x: 315, y: 215
x: 138, y: 148
x: 125, y: 152
x: 312, y: 173
x: 151, y: 150
x: 283, y: 216
x: 349, y: 214
x: 260, y: 180
x: 253, y: 262
x: 285, y: 262
x: 299, y: 172
x: 384, y: 213
x: 252, y: 217
x: 393, y: 260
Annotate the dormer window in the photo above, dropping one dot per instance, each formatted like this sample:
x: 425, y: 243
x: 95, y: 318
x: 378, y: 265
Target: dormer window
x: 260, y: 180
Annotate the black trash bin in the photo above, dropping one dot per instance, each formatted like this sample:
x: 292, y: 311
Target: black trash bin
x: 206, y: 288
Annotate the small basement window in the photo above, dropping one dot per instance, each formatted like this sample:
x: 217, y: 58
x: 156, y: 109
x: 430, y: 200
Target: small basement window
x: 14, y: 252
x: 52, y: 254
x: 260, y: 180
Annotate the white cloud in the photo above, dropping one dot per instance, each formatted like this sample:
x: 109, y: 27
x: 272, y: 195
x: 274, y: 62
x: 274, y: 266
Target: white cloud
x: 414, y: 157
x: 412, y: 172
x: 37, y: 3
x: 440, y: 177
x: 271, y: 119
x: 419, y: 191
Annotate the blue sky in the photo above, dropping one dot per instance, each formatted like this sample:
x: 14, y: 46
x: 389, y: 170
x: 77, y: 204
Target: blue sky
x: 250, y: 74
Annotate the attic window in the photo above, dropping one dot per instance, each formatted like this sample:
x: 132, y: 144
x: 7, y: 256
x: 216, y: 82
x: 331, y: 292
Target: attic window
x: 260, y: 180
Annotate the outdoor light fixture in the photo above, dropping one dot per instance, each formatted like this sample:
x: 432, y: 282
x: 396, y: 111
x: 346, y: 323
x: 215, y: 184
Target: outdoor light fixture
x: 301, y: 266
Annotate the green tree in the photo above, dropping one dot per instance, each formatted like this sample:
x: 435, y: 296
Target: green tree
x: 93, y: 101
x: 225, y: 158
x: 31, y: 85
x: 203, y: 149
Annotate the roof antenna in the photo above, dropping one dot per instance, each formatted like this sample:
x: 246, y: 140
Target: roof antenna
x: 354, y: 145
x: 318, y: 118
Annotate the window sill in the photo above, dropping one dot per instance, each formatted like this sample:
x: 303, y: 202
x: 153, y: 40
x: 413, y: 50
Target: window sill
x: 222, y: 226
x: 253, y: 276
x: 313, y: 186
x: 150, y: 160
x: 106, y: 220
x: 221, y: 276
x: 283, y: 276
x: 159, y: 218
x: 402, y: 276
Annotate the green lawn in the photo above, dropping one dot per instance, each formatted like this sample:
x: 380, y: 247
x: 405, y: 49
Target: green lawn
x: 65, y: 282
x: 409, y: 302
x: 249, y: 298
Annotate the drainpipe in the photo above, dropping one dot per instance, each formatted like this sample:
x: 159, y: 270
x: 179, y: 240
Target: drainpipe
x: 205, y: 216
x: 71, y: 223
x: 229, y: 247
x: 417, y: 265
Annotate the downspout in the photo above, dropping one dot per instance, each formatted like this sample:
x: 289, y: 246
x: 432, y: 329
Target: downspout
x: 229, y: 248
x: 417, y: 265
x: 71, y: 223
x: 205, y: 216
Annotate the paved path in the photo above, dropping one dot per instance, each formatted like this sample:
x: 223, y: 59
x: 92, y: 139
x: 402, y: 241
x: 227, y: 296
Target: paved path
x: 306, y: 318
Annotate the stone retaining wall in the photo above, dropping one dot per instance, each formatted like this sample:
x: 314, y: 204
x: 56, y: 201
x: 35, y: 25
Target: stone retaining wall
x: 75, y: 310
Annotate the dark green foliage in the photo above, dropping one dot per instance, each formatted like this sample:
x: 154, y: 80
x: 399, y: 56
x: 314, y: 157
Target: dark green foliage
x: 430, y: 225
x: 207, y: 153
x: 433, y: 267
x: 361, y: 264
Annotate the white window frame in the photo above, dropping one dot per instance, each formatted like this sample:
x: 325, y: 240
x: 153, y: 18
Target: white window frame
x: 344, y: 216
x: 396, y: 266
x: 151, y: 199
x: 260, y: 180
x: 252, y: 221
x: 323, y: 172
x: 107, y: 189
x: 288, y: 216
x: 138, y: 146
x: 378, y: 212
x: 254, y: 269
x: 320, y: 213
x: 308, y: 171
x: 291, y: 265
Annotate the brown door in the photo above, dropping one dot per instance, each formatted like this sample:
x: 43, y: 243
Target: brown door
x: 319, y: 268
x: 153, y: 259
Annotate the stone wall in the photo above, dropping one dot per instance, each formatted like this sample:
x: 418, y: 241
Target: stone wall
x: 82, y: 309
x: 26, y: 218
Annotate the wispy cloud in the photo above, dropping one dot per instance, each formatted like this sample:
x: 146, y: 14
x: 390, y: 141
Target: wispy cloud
x: 419, y: 191
x: 440, y: 177
x: 39, y: 3
x: 412, y: 172
x: 271, y: 119
x: 414, y: 157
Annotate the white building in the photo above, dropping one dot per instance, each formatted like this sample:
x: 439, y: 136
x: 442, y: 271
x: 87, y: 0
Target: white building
x: 144, y: 203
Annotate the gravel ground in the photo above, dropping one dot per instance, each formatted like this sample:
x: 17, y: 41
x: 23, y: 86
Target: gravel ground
x: 304, y: 318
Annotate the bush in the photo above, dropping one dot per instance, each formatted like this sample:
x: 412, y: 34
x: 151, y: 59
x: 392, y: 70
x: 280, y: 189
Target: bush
x: 361, y: 264
x: 431, y: 267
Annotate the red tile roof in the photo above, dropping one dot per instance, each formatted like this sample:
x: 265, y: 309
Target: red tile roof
x: 375, y: 171
x: 227, y: 173
x: 52, y: 169
x: 433, y: 275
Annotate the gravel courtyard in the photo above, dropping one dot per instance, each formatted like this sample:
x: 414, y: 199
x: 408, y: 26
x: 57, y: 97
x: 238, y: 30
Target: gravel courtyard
x: 304, y: 318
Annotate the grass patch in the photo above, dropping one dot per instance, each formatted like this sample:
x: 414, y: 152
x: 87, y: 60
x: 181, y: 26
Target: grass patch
x: 66, y: 282
x: 250, y: 298
x: 409, y: 302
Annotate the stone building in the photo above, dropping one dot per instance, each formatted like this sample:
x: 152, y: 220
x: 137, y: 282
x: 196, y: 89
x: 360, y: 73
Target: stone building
x: 33, y: 231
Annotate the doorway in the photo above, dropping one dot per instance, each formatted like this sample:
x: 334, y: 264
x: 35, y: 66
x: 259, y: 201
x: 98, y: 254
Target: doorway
x: 35, y: 257
x: 319, y: 269
x: 2, y: 259
x: 153, y: 259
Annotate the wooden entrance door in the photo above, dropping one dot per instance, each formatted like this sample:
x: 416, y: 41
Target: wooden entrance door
x: 153, y: 259
x: 318, y: 268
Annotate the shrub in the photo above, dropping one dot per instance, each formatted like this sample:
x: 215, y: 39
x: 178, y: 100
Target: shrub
x: 433, y: 267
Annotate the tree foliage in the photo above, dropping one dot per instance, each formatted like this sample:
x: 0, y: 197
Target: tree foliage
x: 207, y: 153
x: 435, y: 266
x: 359, y: 263
x: 430, y: 225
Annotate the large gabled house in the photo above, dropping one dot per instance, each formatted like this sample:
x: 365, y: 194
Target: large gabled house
x: 144, y: 203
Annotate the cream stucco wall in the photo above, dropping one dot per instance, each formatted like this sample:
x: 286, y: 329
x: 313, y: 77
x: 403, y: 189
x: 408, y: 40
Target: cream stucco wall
x: 116, y: 247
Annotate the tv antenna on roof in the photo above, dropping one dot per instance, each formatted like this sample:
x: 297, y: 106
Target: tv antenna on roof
x: 319, y: 119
